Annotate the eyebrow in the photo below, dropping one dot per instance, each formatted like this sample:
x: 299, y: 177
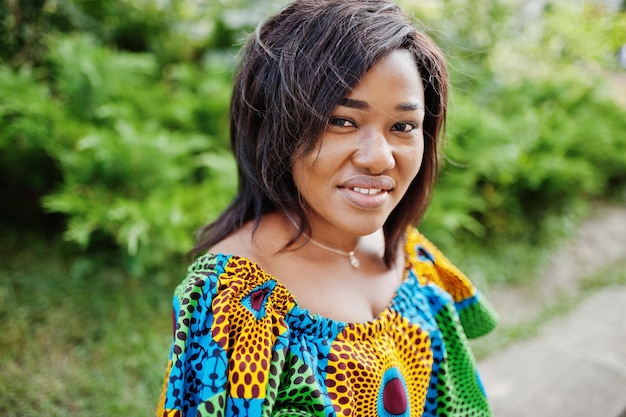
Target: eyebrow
x: 363, y: 105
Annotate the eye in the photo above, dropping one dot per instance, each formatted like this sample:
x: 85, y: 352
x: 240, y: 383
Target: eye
x: 341, y: 122
x: 404, y: 127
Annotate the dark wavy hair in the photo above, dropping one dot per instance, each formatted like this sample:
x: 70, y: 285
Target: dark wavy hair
x: 294, y: 71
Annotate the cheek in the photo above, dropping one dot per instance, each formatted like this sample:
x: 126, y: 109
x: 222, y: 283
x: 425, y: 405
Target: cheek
x: 306, y: 176
x: 298, y: 173
x: 319, y: 166
x: 412, y: 159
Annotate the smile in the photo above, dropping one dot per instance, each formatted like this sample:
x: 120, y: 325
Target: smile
x: 365, y: 198
x: 367, y: 191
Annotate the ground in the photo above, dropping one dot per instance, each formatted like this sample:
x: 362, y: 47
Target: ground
x: 598, y: 247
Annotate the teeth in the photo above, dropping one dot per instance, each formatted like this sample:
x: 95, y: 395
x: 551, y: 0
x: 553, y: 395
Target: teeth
x: 367, y: 191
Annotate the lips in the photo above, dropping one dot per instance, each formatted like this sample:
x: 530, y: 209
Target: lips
x: 367, y: 192
x: 366, y: 182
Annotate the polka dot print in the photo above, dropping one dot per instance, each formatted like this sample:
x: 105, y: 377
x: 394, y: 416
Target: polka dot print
x: 460, y: 383
x: 363, y: 353
x: 249, y: 312
x: 243, y: 347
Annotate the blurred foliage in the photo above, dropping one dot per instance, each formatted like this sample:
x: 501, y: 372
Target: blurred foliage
x: 527, y: 151
x: 534, y: 131
x: 114, y: 115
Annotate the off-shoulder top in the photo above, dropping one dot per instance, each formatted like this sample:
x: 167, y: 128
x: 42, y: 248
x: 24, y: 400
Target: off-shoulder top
x: 243, y: 346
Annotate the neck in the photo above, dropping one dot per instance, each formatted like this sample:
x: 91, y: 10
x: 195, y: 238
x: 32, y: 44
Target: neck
x: 350, y: 254
x: 325, y: 233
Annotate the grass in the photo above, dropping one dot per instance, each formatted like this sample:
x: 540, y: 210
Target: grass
x: 78, y: 338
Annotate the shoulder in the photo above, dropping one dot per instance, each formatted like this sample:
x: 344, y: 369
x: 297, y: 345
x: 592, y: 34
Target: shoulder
x: 229, y: 334
x: 257, y: 242
x: 226, y: 300
x: 195, y: 294
x: 432, y: 267
x: 218, y: 279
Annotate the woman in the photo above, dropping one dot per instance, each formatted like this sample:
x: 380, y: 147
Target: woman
x: 317, y: 297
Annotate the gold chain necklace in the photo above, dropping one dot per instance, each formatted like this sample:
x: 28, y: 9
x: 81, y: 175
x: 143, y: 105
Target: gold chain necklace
x: 351, y: 254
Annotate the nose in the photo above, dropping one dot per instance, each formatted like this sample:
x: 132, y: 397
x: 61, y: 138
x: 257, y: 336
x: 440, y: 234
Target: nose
x: 374, y: 153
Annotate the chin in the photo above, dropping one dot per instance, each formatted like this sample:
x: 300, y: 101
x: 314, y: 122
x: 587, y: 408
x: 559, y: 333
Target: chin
x: 362, y: 226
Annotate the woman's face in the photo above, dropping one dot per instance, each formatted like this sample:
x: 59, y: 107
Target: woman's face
x: 368, y: 155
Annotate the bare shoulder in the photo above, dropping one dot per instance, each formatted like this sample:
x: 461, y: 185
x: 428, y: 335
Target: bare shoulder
x: 258, y: 244
x: 237, y: 243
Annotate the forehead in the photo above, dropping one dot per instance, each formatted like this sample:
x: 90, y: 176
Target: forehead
x: 394, y: 78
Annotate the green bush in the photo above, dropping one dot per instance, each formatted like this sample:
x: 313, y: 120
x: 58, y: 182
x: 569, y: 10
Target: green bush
x: 149, y: 164
x: 525, y: 152
x: 533, y: 133
x: 28, y: 121
x: 116, y: 116
x: 131, y: 157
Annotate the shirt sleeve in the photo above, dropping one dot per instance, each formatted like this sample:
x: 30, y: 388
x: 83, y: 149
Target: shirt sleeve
x: 476, y: 314
x: 229, y: 342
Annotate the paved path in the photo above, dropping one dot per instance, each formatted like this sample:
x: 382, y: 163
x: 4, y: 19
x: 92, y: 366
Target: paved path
x: 599, y: 243
x: 576, y: 367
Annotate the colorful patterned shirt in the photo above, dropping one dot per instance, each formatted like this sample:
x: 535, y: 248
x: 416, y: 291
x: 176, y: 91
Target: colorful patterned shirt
x: 244, y: 347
